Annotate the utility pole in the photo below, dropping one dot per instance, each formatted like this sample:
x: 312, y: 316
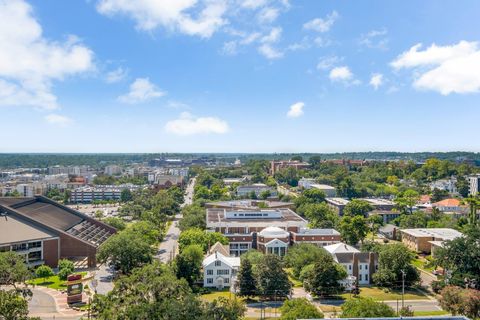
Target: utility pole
x: 403, y: 289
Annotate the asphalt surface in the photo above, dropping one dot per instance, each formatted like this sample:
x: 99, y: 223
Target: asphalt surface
x: 41, y: 302
x: 168, y: 248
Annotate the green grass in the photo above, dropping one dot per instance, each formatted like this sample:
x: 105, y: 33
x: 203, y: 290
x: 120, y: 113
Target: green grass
x: 209, y: 297
x: 431, y: 313
x: 421, y: 263
x: 380, y: 295
x: 53, y: 282
x: 293, y: 280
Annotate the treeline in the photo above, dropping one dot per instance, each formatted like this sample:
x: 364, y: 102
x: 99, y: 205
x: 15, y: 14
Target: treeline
x: 43, y: 160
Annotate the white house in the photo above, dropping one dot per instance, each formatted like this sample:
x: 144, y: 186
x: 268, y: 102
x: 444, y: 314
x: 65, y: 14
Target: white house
x: 219, y: 271
x: 360, y: 265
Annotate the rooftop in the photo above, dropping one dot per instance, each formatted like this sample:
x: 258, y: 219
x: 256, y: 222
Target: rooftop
x: 321, y: 232
x: 438, y: 233
x: 219, y: 215
x: 447, y: 203
x: 13, y: 229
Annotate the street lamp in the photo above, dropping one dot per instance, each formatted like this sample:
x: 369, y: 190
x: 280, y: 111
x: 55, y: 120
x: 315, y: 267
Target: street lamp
x: 403, y: 288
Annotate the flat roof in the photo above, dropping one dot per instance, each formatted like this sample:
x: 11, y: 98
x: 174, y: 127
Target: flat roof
x: 217, y: 215
x: 50, y: 215
x: 323, y: 186
x: 442, y: 233
x: 13, y: 230
x: 320, y: 232
x: 337, y: 201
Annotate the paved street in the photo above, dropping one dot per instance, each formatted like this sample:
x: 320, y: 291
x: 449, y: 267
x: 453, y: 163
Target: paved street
x: 51, y: 304
x: 169, y: 246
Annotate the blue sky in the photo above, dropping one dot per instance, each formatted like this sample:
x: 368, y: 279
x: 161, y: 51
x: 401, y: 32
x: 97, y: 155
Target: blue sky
x: 239, y: 76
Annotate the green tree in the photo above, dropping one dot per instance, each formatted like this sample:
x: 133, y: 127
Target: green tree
x: 393, y: 261
x: 265, y: 194
x: 246, y: 279
x: 194, y: 216
x: 151, y: 292
x: 418, y: 219
x: 201, y: 237
x: 126, y: 195
x: 252, y: 255
x: 300, y: 255
x: 271, y: 278
x: 13, y: 269
x: 44, y: 272
x: 310, y: 196
x: 473, y: 203
x: 188, y: 263
x: 225, y: 309
x: 65, y: 267
x: 323, y: 279
x: 353, y: 229
x: 299, y: 308
x: 366, y: 308
x: 463, y: 186
x: 115, y: 222
x: 357, y: 207
x: 320, y: 215
x: 125, y: 251
x: 13, y: 306
x: 145, y: 230
x: 406, y: 200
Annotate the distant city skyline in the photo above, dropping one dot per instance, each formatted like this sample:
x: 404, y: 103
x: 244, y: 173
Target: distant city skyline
x: 253, y: 76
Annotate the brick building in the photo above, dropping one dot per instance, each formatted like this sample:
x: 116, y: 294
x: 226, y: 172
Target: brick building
x: 44, y: 231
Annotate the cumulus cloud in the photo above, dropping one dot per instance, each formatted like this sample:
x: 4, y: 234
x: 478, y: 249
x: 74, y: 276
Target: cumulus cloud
x: 322, y: 25
x: 268, y: 15
x: 172, y: 15
x: 445, y: 69
x: 267, y: 48
x: 376, y: 80
x: 141, y: 90
x: 296, y: 110
x: 116, y: 75
x: 30, y: 63
x: 341, y: 74
x: 253, y: 4
x: 327, y: 62
x: 375, y: 39
x: 187, y: 124
x: 58, y: 120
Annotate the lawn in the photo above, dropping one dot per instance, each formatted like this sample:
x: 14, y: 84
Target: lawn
x: 293, y: 280
x: 209, y: 297
x: 421, y: 263
x: 431, y: 313
x: 52, y: 282
x: 380, y: 295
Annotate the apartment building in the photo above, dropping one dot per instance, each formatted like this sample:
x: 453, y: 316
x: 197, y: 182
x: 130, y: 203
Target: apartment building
x: 423, y: 239
x: 87, y: 194
x: 474, y: 186
x: 112, y: 170
x: 378, y: 204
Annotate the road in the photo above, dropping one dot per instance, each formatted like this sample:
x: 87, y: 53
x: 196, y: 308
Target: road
x: 169, y: 246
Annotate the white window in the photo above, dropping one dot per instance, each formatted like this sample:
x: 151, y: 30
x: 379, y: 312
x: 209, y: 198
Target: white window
x: 223, y: 272
x: 210, y: 272
x: 218, y: 263
x: 209, y: 280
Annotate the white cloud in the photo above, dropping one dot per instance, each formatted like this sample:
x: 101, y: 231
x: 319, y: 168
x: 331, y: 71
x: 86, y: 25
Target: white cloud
x: 376, y: 80
x: 141, y: 90
x: 445, y: 69
x: 58, y: 120
x: 187, y: 124
x: 327, y: 62
x: 322, y: 25
x: 116, y: 75
x: 268, y: 15
x: 270, y: 52
x: 253, y: 4
x: 341, y: 74
x: 322, y: 42
x: 29, y: 63
x: 173, y: 15
x: 266, y: 48
x: 296, y: 110
x: 375, y: 39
